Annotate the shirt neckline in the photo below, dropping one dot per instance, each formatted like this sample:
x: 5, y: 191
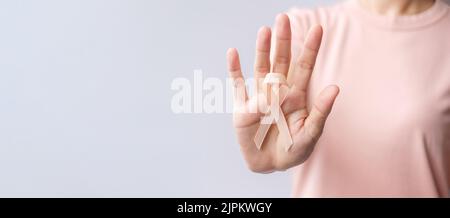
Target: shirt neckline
x: 407, y: 22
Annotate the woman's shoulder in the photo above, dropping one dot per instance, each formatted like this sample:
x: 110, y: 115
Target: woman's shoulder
x: 304, y: 18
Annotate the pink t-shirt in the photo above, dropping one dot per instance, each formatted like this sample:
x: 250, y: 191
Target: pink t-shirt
x: 389, y: 132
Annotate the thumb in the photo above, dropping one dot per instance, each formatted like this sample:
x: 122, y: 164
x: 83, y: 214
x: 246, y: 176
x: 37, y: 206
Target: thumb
x: 315, y: 122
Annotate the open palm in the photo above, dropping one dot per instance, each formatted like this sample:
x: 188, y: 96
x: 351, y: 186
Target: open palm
x: 305, y: 126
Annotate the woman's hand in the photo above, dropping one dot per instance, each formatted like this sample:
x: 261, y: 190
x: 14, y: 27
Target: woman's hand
x: 305, y: 125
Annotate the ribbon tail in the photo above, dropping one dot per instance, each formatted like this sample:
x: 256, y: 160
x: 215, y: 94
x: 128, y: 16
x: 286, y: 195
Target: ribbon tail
x: 261, y: 134
x: 284, y: 135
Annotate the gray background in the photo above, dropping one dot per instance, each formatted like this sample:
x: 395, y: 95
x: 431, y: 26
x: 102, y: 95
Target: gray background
x: 85, y: 98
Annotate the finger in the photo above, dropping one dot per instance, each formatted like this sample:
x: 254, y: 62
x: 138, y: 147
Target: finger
x: 282, y: 55
x: 304, y: 66
x: 234, y: 69
x: 315, y: 122
x: 262, y: 60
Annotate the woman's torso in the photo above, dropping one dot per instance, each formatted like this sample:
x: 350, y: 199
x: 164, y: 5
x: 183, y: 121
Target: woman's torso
x: 389, y: 132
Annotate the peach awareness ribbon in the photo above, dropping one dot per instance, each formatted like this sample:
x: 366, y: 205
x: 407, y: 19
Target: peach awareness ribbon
x: 279, y: 89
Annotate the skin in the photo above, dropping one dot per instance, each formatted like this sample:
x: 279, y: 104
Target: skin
x: 305, y: 125
x: 397, y: 7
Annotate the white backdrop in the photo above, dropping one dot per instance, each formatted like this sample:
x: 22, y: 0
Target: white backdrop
x: 85, y: 98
